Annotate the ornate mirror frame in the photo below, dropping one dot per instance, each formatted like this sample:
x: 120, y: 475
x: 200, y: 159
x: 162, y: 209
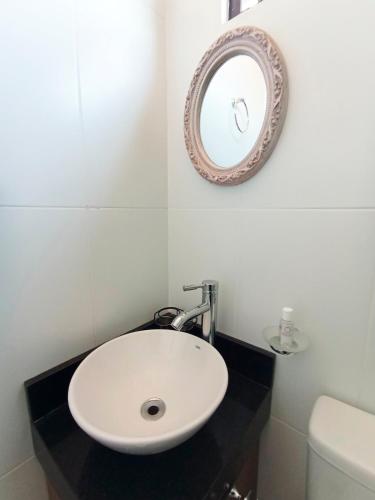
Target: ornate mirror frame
x: 257, y: 44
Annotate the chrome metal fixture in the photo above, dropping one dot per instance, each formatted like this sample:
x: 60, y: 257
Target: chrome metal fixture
x: 208, y: 310
x: 236, y: 104
x: 235, y: 495
x: 153, y: 409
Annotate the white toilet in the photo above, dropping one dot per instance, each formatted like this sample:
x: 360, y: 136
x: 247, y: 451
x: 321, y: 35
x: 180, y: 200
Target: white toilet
x: 341, y: 461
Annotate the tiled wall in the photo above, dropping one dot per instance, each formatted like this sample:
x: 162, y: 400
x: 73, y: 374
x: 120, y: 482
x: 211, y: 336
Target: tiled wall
x: 83, y: 193
x: 302, y: 231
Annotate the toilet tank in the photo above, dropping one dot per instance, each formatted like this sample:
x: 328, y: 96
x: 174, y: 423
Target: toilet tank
x: 341, y: 461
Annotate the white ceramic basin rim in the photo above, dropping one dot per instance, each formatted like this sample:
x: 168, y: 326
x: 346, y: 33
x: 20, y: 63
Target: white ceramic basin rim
x: 110, y: 386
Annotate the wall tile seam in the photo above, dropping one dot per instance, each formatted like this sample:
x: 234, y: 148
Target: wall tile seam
x: 75, y: 20
x: 91, y: 280
x: 83, y: 207
x: 168, y: 294
x: 289, y: 426
x: 17, y: 467
x: 273, y: 209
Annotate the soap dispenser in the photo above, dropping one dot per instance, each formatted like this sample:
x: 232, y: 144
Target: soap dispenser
x: 286, y: 339
x: 286, y: 328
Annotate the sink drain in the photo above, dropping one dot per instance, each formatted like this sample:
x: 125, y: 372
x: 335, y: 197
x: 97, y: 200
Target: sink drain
x: 153, y: 409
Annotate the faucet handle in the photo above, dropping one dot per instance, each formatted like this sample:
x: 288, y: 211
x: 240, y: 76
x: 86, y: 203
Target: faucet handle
x: 210, y: 286
x: 188, y: 288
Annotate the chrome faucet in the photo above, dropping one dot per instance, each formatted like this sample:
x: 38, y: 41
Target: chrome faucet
x: 208, y: 310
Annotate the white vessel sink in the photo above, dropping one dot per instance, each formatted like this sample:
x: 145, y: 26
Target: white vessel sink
x: 148, y: 391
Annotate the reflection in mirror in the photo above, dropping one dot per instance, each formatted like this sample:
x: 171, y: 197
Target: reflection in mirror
x: 233, y: 111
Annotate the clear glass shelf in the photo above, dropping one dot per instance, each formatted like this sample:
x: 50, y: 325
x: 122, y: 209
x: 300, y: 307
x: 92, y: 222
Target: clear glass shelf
x: 300, y: 341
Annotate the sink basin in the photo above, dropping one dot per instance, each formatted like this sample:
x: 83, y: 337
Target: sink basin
x: 148, y: 391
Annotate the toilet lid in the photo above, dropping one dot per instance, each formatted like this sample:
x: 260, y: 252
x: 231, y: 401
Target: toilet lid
x: 345, y: 437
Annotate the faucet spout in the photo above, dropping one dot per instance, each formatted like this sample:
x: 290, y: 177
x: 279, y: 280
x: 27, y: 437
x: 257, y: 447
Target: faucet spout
x: 208, y: 310
x: 184, y: 316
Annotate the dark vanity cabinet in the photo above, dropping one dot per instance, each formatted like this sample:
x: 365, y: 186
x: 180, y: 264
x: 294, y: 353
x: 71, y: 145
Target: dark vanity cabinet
x: 244, y: 487
x: 219, y: 462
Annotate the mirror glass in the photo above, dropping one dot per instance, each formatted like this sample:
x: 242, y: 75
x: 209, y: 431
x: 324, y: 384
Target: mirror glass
x: 233, y: 111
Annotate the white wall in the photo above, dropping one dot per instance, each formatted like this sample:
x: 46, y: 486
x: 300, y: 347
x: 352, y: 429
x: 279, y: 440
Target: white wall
x: 302, y: 231
x: 83, y: 193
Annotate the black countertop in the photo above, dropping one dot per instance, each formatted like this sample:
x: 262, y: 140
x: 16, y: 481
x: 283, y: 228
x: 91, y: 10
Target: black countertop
x: 79, y: 468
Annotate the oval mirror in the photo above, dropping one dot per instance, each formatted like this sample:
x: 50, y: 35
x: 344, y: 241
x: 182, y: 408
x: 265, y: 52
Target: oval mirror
x: 236, y: 106
x: 233, y: 111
